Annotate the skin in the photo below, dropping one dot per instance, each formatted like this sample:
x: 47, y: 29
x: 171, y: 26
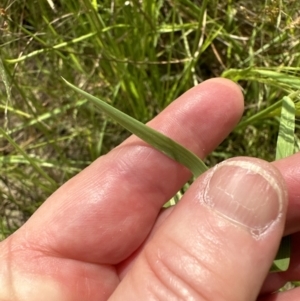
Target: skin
x: 103, y: 235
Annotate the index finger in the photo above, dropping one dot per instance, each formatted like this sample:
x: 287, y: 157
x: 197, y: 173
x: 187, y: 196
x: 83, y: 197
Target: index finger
x: 110, y: 207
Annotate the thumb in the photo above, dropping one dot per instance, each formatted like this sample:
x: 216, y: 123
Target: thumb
x: 220, y: 240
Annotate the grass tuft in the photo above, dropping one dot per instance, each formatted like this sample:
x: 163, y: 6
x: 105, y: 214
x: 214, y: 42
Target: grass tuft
x: 138, y: 56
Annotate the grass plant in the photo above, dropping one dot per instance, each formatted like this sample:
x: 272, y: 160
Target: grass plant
x: 137, y: 56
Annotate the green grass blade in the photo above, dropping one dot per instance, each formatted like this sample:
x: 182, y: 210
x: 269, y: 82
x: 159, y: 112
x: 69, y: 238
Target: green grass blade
x: 55, y: 47
x: 282, y: 261
x: 4, y: 78
x: 258, y: 116
x: 285, y: 147
x: 159, y: 141
x: 286, y: 142
x: 36, y: 166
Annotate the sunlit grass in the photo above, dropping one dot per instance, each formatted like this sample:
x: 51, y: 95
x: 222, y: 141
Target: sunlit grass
x: 137, y: 56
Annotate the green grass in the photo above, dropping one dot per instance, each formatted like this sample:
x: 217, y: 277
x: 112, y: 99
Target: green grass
x: 137, y: 56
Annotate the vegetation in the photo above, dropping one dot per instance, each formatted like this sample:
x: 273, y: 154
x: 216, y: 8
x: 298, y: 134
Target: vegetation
x: 138, y: 56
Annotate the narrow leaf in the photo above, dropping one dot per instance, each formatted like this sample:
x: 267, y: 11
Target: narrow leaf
x: 156, y: 139
x: 285, y: 147
x: 30, y: 160
x: 286, y: 141
x: 282, y: 261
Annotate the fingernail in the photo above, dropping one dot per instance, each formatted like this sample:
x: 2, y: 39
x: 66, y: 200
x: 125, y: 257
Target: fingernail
x: 246, y: 194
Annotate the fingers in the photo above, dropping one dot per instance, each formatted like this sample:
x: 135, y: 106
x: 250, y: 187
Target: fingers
x: 275, y: 281
x: 219, y: 242
x: 288, y: 168
x: 110, y: 207
x: 291, y: 295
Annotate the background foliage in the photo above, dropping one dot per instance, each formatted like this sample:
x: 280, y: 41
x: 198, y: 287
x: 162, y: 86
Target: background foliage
x: 138, y: 56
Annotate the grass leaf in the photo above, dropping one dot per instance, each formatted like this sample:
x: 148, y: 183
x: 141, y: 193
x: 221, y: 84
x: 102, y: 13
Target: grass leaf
x: 159, y: 141
x: 285, y: 147
x: 32, y: 162
x: 286, y: 142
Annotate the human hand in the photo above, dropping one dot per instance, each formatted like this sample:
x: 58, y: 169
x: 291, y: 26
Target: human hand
x: 103, y: 235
